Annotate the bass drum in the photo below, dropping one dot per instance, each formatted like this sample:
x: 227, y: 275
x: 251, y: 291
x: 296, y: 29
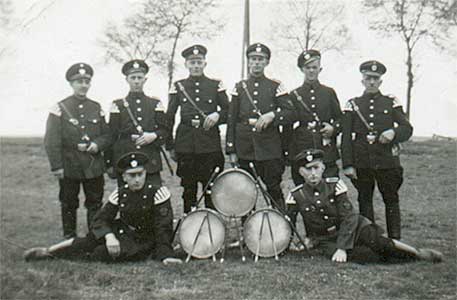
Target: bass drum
x: 234, y: 192
x: 267, y: 233
x: 202, y: 233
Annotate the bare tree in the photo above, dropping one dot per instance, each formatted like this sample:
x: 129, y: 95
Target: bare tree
x: 414, y: 21
x: 154, y: 31
x: 311, y: 24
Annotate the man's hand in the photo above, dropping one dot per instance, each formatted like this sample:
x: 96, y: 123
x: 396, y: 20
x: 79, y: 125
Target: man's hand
x: 387, y: 136
x: 146, y: 138
x: 211, y: 120
x: 82, y: 147
x: 350, y: 172
x: 171, y: 261
x: 264, y: 120
x: 93, y: 148
x: 112, y: 245
x: 340, y: 256
x: 327, y: 130
x: 233, y: 159
x: 58, y: 173
x: 173, y: 155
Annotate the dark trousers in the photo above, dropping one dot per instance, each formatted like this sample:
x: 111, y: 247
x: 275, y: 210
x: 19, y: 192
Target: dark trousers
x: 194, y: 168
x: 331, y: 170
x: 271, y: 173
x: 69, y: 200
x: 389, y: 182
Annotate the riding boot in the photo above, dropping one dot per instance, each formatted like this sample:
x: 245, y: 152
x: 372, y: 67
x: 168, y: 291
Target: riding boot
x: 68, y: 221
x: 393, y: 220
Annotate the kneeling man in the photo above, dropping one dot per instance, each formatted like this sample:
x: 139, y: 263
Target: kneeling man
x: 331, y: 221
x: 144, y: 225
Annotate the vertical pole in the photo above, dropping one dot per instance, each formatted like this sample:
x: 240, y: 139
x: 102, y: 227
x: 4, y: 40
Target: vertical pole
x: 246, y: 40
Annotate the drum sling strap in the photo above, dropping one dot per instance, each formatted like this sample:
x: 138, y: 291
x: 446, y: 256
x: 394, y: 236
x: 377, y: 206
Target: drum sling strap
x: 191, y: 101
x: 245, y: 88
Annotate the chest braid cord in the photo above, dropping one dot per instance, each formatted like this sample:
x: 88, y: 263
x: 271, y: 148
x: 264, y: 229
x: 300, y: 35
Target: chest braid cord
x: 308, y: 110
x: 191, y: 101
x: 361, y: 117
x: 245, y: 88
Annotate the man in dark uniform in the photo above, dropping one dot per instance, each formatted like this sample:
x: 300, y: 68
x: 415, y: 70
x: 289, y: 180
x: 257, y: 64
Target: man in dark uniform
x: 144, y: 225
x: 318, y: 120
x: 137, y: 122
x: 333, y: 224
x: 373, y: 126
x: 197, y: 146
x: 76, y: 135
x: 258, y: 106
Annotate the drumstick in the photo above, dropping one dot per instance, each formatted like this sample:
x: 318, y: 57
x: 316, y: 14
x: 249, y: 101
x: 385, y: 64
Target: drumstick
x: 210, y: 233
x: 196, y: 238
x: 256, y: 257
x: 211, y: 178
x: 272, y: 237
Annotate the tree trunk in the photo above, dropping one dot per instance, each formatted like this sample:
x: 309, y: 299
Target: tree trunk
x: 171, y: 67
x: 409, y: 64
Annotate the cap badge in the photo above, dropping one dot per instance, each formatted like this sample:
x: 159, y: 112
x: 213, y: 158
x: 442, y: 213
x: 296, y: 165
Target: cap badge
x: 132, y: 156
x: 81, y: 65
x: 374, y: 67
x: 136, y: 65
x: 307, y: 56
x: 309, y: 158
x: 258, y: 49
x: 134, y: 164
x: 195, y: 52
x: 82, y: 71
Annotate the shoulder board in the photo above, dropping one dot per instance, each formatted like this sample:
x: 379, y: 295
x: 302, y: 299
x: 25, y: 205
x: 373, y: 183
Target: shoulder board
x: 332, y: 179
x: 173, y: 89
x: 340, y: 188
x: 114, y: 197
x: 395, y: 101
x: 114, y: 108
x: 296, y: 188
x: 281, y: 90
x: 56, y: 110
x: 159, y: 106
x: 290, y: 199
x: 162, y: 195
x: 220, y: 86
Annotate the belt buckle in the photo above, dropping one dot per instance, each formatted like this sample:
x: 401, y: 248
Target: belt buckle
x: 331, y: 229
x: 371, y: 137
x: 195, y: 123
x: 252, y: 121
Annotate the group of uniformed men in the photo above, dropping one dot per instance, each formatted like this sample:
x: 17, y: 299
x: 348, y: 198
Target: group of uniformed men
x: 266, y: 126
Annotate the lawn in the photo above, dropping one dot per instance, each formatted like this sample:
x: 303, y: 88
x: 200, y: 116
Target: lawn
x: 30, y: 216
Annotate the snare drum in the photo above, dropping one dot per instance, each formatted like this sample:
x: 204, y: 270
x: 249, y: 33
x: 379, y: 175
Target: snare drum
x: 267, y: 233
x: 234, y: 192
x: 202, y: 233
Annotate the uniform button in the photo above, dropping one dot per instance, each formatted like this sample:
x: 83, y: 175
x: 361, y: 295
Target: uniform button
x: 255, y: 101
x: 138, y: 101
x: 138, y: 147
x: 371, y: 115
x: 230, y: 144
x: 254, y: 111
x: 197, y: 117
x: 325, y: 217
x: 81, y: 115
x: 311, y: 91
x: 386, y: 111
x: 254, y: 130
x: 184, y: 100
x: 122, y: 204
x: 121, y: 231
x: 197, y: 99
x: 318, y: 201
x: 256, y: 84
x: 197, y: 83
x: 150, y: 186
x: 82, y: 126
x: 145, y: 196
x: 144, y: 207
x: 316, y: 193
x: 80, y: 106
x: 255, y: 93
x: 307, y: 208
x: 138, y: 109
x: 314, y: 130
x: 124, y: 195
x: 197, y: 91
x: 313, y: 105
x: 371, y: 107
x: 371, y: 101
x: 332, y: 200
x: 314, y: 114
x: 210, y: 101
x: 371, y: 124
x: 321, y: 210
x: 139, y: 118
x: 313, y: 98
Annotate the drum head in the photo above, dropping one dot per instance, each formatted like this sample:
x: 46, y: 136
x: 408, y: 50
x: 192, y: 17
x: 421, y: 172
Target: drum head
x: 234, y: 193
x: 253, y: 231
x: 211, y: 237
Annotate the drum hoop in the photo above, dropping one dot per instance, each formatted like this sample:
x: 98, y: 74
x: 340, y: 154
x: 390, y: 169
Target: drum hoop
x: 239, y: 170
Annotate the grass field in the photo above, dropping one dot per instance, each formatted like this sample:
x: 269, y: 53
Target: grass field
x: 30, y: 216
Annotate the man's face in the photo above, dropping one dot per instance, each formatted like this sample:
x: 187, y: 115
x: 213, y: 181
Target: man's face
x: 312, y: 70
x: 257, y: 64
x: 312, y: 172
x: 80, y: 86
x: 195, y: 66
x: 371, y: 83
x: 135, y: 178
x: 136, y: 81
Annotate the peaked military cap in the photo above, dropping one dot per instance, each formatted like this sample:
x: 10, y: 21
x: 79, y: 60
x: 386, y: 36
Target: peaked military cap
x: 79, y: 70
x: 308, y: 56
x: 134, y: 66
x: 194, y: 51
x: 308, y: 156
x: 258, y: 49
x: 131, y: 160
x: 373, y: 67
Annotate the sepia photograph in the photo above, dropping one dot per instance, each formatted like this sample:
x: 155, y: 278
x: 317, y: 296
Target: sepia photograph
x: 236, y: 149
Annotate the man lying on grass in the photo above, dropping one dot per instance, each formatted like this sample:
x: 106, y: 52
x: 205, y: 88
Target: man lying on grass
x: 333, y: 224
x: 143, y: 228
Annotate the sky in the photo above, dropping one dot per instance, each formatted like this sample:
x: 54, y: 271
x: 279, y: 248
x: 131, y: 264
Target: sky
x: 40, y: 51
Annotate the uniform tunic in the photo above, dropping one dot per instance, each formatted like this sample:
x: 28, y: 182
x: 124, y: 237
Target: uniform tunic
x: 150, y: 115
